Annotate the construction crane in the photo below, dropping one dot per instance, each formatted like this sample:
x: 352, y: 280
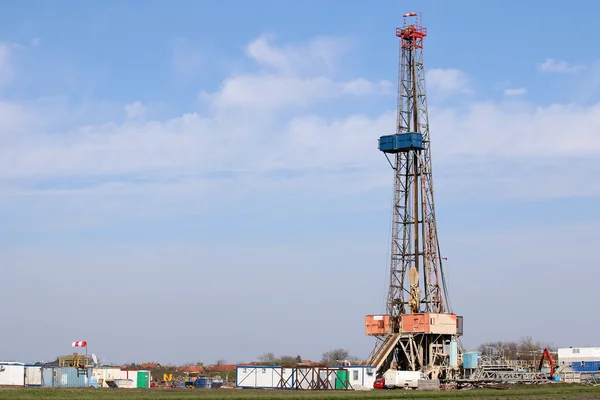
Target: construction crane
x: 419, y: 332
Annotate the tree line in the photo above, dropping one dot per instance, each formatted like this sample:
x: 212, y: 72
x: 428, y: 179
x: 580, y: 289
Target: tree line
x: 335, y: 356
x: 524, y: 349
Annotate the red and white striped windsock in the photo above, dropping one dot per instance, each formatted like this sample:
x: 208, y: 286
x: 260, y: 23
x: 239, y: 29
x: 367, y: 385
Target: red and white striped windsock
x: 79, y: 344
x: 410, y: 14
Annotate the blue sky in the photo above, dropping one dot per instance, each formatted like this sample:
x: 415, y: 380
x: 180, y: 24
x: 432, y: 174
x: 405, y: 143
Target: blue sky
x: 220, y: 160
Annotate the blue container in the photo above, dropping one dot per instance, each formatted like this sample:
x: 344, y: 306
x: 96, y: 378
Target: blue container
x: 470, y: 360
x: 47, y: 377
x: 401, y: 142
x: 70, y: 377
x: 203, y: 382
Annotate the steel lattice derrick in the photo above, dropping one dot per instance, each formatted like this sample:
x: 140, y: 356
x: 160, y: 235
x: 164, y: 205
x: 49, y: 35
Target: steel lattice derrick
x: 419, y: 334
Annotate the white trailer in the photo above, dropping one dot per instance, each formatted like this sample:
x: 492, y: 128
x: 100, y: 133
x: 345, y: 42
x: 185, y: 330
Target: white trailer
x: 12, y: 374
x: 33, y: 375
x: 403, y: 379
x: 261, y: 376
x: 360, y: 377
x: 103, y: 374
x: 566, y: 356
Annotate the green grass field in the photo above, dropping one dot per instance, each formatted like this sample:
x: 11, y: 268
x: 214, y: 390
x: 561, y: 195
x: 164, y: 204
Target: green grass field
x: 558, y: 391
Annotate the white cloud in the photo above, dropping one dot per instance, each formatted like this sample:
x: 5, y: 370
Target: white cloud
x: 515, y: 91
x: 552, y: 65
x: 269, y: 92
x: 36, y: 41
x: 242, y: 131
x: 297, y: 76
x: 488, y: 129
x: 448, y: 81
x: 319, y: 56
x: 486, y: 151
x: 135, y: 110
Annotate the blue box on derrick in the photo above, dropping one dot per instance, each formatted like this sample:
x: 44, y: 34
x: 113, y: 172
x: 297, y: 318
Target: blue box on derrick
x: 401, y: 142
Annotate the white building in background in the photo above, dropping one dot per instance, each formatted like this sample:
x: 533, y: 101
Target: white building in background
x: 579, y: 359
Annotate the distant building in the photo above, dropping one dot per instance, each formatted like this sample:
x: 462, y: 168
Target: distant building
x: 579, y: 359
x: 221, y: 368
x: 191, y: 369
x: 150, y: 365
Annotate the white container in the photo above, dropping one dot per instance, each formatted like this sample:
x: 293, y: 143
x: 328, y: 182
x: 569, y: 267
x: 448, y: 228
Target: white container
x: 12, y: 374
x: 257, y: 376
x: 33, y: 375
x: 360, y: 377
x: 103, y: 374
x: 578, y: 354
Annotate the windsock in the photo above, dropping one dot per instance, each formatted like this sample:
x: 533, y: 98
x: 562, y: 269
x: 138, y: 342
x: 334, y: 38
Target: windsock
x: 79, y: 344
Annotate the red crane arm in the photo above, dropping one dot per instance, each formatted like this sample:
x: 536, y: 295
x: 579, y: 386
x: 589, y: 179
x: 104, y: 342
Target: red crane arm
x: 546, y: 354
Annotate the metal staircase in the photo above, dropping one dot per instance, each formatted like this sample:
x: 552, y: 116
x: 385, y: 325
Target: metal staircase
x: 381, y: 352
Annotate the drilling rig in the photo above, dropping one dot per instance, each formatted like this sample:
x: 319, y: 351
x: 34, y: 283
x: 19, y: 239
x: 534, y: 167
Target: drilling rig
x: 419, y: 331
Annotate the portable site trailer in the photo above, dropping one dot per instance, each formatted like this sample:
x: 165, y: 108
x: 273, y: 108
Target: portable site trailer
x: 122, y: 378
x: 271, y: 377
x: 103, y: 374
x: 579, y: 359
x: 12, y: 374
x: 359, y: 376
x: 33, y: 375
x: 67, y: 377
x: 261, y: 376
x: 346, y: 377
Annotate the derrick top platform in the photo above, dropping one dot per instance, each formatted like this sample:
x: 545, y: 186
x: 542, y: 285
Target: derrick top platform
x: 411, y: 31
x: 412, y: 34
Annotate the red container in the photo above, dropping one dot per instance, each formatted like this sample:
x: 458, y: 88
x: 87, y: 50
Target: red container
x: 430, y: 323
x: 377, y: 324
